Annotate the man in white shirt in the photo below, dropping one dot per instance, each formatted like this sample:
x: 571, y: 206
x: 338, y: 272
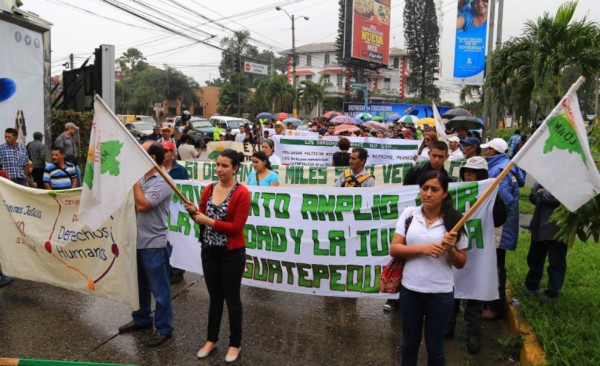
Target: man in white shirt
x: 241, y: 135
x: 455, y: 152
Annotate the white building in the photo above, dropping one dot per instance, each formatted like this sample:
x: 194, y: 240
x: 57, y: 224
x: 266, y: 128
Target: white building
x: 318, y: 62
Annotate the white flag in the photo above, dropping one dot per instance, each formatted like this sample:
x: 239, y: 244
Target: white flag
x: 115, y: 161
x: 439, y: 125
x: 558, y: 155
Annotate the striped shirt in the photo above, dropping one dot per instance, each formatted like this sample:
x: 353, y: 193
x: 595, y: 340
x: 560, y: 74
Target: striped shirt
x: 13, y: 160
x: 60, y: 178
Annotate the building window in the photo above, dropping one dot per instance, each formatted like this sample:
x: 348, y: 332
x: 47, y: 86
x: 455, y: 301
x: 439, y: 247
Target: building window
x: 396, y: 62
x: 297, y: 78
x: 326, y: 80
x: 326, y: 59
x: 308, y: 60
x: 340, y: 81
x: 386, y: 83
x: 309, y: 77
x: 296, y: 58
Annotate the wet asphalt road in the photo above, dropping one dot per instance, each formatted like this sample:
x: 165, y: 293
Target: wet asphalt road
x: 39, y: 321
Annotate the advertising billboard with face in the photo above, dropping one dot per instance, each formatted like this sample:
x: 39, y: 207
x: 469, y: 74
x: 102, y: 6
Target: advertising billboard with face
x: 471, y: 32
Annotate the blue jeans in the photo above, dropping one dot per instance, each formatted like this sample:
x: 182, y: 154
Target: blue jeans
x: 432, y: 310
x: 557, y: 267
x: 153, y: 279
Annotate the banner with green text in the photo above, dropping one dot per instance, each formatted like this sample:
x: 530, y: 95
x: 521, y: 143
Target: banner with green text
x: 318, y: 151
x: 44, y: 241
x: 301, y: 176
x: 334, y: 241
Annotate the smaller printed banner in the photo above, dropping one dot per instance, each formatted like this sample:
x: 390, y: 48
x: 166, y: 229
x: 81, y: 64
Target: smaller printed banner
x: 44, y: 241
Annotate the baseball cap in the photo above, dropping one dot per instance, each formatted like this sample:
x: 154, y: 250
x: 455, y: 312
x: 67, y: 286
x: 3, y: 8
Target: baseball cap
x: 156, y: 127
x: 228, y: 129
x: 71, y: 125
x: 475, y: 163
x: 169, y: 145
x: 453, y: 139
x: 471, y: 141
x: 497, y: 144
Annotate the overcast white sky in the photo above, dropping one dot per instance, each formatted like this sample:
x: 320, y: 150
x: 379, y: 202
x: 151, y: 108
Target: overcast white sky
x: 79, y: 31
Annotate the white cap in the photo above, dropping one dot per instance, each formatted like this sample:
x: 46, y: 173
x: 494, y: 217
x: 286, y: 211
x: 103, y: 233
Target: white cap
x: 453, y: 139
x: 475, y: 163
x: 497, y: 144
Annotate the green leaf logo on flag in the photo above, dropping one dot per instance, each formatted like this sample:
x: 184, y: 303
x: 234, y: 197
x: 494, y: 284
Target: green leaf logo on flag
x: 563, y: 136
x: 109, y: 151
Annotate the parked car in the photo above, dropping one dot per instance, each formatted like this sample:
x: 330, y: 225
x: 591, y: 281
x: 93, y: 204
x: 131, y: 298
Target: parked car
x: 230, y: 122
x: 139, y: 130
x: 127, y: 118
x: 202, y: 126
x: 169, y: 121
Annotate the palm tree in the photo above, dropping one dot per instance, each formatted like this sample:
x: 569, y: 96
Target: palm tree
x: 311, y: 94
x: 280, y: 93
x: 132, y: 60
x: 530, y: 67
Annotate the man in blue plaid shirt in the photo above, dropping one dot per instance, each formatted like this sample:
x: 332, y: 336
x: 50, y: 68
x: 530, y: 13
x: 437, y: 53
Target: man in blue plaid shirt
x: 14, y: 157
x: 14, y: 161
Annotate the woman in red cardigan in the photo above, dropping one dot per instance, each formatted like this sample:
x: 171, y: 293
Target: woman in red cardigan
x: 224, y: 209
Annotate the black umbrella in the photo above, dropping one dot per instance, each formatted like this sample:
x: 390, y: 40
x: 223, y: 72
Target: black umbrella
x: 456, y: 112
x: 467, y: 122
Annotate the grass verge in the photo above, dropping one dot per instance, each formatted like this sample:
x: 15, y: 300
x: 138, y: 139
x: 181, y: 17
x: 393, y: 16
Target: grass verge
x: 568, y: 328
x: 525, y: 207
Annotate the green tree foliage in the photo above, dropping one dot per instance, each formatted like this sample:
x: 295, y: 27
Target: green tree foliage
x: 529, y: 69
x: 136, y: 94
x: 310, y: 94
x: 421, y: 34
x: 132, y: 61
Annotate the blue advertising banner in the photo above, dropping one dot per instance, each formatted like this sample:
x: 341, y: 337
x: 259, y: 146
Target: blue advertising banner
x: 469, y: 50
x: 384, y: 110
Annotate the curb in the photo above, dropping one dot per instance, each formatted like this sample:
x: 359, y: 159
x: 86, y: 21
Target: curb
x: 532, y: 352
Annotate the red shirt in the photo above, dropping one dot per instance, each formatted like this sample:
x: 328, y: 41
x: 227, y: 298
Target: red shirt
x: 237, y: 215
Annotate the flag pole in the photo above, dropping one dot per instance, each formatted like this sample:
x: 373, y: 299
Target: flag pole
x: 483, y: 197
x: 511, y: 164
x: 158, y: 168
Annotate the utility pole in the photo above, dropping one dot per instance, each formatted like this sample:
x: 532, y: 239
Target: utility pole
x: 488, y: 67
x: 71, y: 61
x: 240, y: 83
x: 498, y: 46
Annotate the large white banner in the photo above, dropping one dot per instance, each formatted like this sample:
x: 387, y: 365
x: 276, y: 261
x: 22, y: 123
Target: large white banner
x: 315, y: 151
x: 21, y: 79
x: 332, y: 241
x: 43, y: 241
x: 324, y: 176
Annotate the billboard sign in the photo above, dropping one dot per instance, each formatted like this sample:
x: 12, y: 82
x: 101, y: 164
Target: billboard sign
x: 469, y: 49
x: 256, y: 68
x: 384, y: 110
x: 370, y: 30
x: 21, y: 80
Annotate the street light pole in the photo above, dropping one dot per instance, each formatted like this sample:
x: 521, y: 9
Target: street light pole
x: 293, y: 18
x: 294, y: 104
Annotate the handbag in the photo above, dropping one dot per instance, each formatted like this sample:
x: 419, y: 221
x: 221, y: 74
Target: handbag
x: 391, y: 275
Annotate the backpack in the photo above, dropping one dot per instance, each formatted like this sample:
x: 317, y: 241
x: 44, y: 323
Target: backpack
x: 351, y: 181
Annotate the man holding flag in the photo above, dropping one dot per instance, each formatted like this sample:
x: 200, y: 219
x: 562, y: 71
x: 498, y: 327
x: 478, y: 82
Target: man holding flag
x: 152, y: 196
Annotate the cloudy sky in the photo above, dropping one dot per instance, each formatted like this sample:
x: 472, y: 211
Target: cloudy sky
x: 80, y: 26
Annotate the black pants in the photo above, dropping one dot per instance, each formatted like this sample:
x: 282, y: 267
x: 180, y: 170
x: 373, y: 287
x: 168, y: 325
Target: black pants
x: 223, y: 271
x: 38, y: 177
x: 499, y: 306
x: 473, y: 311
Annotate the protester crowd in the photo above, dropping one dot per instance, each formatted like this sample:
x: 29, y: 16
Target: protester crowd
x: 423, y: 236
